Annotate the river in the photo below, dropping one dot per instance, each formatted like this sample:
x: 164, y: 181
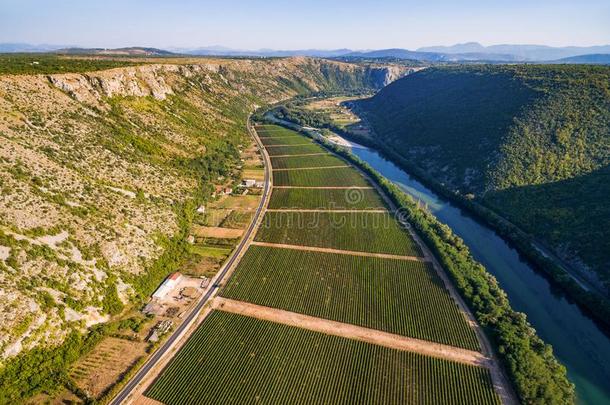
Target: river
x: 577, y: 341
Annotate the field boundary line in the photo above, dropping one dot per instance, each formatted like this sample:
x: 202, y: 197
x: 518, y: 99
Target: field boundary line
x: 340, y: 251
x: 280, y: 137
x: 296, y: 144
x: 329, y: 187
x: 338, y: 211
x: 302, y: 154
x: 310, y: 168
x: 353, y: 332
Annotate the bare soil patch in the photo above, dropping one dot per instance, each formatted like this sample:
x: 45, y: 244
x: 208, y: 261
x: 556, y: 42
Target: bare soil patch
x: 339, y: 251
x: 256, y: 174
x: 352, y: 332
x: 216, y: 232
x: 99, y: 370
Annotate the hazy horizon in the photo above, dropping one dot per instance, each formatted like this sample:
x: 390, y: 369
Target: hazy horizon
x: 303, y: 25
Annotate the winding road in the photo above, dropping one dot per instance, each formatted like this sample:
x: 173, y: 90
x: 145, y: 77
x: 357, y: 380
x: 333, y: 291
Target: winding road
x: 156, y: 357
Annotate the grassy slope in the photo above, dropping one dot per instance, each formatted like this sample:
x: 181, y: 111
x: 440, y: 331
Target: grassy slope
x: 521, y: 137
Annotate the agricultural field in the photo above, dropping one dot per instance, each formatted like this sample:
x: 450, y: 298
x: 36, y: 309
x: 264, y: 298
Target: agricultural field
x: 237, y: 359
x: 286, y: 140
x: 331, y: 177
x: 216, y: 232
x: 305, y: 161
x: 398, y: 296
x: 101, y: 368
x: 281, y: 150
x: 308, y: 198
x: 273, y: 131
x: 256, y: 173
x: 361, y: 231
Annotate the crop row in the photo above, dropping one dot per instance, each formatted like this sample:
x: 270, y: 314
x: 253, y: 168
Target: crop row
x: 281, y: 150
x: 305, y: 161
x: 286, y: 140
x: 360, y: 231
x: 235, y: 359
x: 274, y: 131
x: 397, y: 296
x: 331, y: 177
x: 308, y: 198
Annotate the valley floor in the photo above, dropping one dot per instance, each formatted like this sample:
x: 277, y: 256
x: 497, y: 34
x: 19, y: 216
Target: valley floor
x: 334, y: 303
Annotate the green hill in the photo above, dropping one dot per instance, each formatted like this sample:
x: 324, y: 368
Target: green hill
x: 531, y: 142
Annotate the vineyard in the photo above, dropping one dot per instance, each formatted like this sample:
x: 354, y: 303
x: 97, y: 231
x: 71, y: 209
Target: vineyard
x: 281, y: 150
x: 335, y: 177
x: 286, y: 140
x: 359, y: 199
x: 305, y: 161
x: 397, y: 296
x: 234, y: 358
x: 373, y: 232
x: 266, y: 131
x: 237, y: 359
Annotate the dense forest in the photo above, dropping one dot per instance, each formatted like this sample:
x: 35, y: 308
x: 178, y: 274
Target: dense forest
x: 531, y: 142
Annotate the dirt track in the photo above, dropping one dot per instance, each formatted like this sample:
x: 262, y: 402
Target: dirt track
x: 329, y: 187
x: 302, y: 154
x: 310, y: 168
x: 339, y: 211
x: 342, y: 252
x: 352, y: 332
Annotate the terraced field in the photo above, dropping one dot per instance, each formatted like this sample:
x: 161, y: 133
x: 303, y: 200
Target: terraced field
x: 307, y: 198
x: 397, y: 296
x: 306, y: 161
x: 332, y: 177
x: 265, y: 131
x: 237, y: 359
x: 361, y: 231
x: 282, y: 150
x: 286, y: 140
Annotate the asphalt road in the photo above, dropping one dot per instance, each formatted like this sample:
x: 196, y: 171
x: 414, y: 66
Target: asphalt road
x: 154, y: 359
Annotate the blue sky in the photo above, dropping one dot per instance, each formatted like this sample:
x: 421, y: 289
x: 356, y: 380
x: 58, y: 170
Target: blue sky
x: 303, y: 24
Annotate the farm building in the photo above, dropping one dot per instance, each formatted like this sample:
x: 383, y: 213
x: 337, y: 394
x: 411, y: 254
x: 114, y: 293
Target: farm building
x: 168, y: 284
x: 249, y: 182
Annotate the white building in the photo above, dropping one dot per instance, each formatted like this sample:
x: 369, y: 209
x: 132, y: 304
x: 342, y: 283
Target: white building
x: 168, y: 284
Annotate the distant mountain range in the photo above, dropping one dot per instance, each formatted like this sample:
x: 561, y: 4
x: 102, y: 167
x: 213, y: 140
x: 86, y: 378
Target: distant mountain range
x: 595, y: 58
x: 223, y: 51
x: 520, y: 52
x: 132, y: 51
x: 466, y: 52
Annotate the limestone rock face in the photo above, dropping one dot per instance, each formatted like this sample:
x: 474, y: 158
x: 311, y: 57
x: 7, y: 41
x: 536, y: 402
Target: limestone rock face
x: 137, y: 81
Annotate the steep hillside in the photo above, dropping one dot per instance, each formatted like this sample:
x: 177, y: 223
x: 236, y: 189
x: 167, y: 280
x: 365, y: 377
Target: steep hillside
x: 532, y: 142
x: 101, y: 172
